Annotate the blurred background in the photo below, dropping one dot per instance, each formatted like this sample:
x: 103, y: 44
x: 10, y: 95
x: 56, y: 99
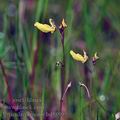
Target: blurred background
x: 29, y: 71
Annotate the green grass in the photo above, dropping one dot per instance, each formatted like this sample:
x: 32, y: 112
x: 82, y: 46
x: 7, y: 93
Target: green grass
x: 25, y: 51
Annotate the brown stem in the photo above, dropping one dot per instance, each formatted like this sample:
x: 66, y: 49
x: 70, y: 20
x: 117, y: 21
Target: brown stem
x: 63, y: 72
x: 10, y: 98
x: 62, y: 76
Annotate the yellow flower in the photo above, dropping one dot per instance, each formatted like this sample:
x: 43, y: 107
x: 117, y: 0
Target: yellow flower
x: 76, y: 56
x: 95, y: 56
x: 45, y: 27
x: 63, y: 24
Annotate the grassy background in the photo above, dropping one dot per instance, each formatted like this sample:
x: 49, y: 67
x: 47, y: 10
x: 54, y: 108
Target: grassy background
x: 93, y: 26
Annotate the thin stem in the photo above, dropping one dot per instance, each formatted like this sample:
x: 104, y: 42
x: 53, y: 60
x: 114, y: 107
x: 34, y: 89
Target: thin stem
x: 62, y: 74
x: 88, y: 83
x: 61, y: 105
x: 35, y: 61
x: 11, y: 100
x: 81, y: 103
x: 68, y: 86
x: 83, y: 85
x: 62, y: 98
x: 99, y: 103
x: 63, y: 67
x: 42, y: 103
x: 88, y: 93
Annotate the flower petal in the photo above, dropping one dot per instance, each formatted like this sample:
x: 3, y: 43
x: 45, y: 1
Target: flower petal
x: 63, y: 24
x: 78, y: 57
x: 44, y: 27
x: 96, y: 56
x: 52, y: 22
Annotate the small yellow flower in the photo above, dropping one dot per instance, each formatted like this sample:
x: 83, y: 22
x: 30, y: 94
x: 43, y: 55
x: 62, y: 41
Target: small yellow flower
x: 63, y: 24
x: 96, y: 56
x: 45, y: 27
x: 76, y: 56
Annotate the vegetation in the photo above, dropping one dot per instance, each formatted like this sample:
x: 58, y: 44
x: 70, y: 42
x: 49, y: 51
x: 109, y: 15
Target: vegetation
x: 59, y: 60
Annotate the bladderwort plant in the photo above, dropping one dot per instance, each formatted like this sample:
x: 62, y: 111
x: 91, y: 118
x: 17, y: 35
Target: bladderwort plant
x: 83, y: 59
x: 76, y: 56
x: 88, y: 87
x: 51, y: 28
x: 44, y: 28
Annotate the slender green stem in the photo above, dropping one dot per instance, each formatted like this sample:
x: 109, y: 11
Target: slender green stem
x: 35, y: 61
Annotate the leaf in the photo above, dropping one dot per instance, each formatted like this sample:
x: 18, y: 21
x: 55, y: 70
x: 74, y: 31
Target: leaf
x: 2, y: 45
